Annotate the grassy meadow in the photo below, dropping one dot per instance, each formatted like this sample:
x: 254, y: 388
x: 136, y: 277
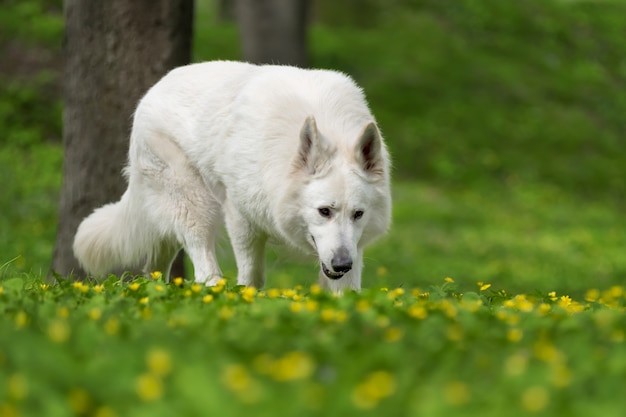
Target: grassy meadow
x: 498, y: 291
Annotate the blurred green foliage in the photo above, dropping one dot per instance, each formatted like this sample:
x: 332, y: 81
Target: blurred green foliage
x: 505, y: 120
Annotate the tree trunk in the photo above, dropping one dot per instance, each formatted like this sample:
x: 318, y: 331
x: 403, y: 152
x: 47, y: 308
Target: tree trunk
x: 115, y: 50
x: 274, y: 31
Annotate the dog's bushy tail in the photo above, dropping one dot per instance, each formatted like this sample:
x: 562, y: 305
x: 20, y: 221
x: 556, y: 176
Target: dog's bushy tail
x: 112, y: 238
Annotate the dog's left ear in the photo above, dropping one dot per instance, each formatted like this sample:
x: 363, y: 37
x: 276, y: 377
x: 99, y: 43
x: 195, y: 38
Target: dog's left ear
x: 369, y: 151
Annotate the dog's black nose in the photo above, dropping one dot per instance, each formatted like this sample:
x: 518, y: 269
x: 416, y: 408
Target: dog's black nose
x: 341, y: 262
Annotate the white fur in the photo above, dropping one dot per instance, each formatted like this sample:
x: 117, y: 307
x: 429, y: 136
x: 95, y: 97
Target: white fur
x: 262, y: 147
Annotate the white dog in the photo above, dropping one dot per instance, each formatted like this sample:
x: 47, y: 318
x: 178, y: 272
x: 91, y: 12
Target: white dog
x: 279, y: 152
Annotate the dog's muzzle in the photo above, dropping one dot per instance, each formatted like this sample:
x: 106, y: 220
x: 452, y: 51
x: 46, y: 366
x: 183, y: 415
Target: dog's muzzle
x: 341, y: 263
x: 330, y: 274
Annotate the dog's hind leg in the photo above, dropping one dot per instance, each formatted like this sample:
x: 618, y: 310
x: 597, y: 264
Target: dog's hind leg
x: 162, y: 257
x: 182, y: 207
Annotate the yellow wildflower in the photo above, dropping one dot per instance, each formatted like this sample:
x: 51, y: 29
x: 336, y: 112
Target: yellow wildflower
x: 315, y: 289
x: 98, y: 288
x: 226, y: 313
x: 293, y: 366
x: 156, y: 275
x: 273, y: 293
x: 483, y: 286
x: 375, y: 387
x: 592, y: 295
x: 248, y: 294
x: 21, y: 319
x: 393, y: 334
x: 311, y: 305
x: 159, y: 361
x: 95, y: 314
x: 17, y: 387
x: 178, y: 281
x: 195, y: 287
x: 363, y: 306
x: 1, y: 290
x: 456, y: 393
x: 111, y: 326
x: 134, y: 286
x: 514, y: 335
x: 44, y: 287
x: 149, y: 387
x: 58, y: 331
x: 144, y: 300
x: 236, y: 378
x: 448, y: 280
x: 535, y: 398
x: 296, y: 307
x: 79, y: 401
x: 417, y: 311
x: 207, y: 298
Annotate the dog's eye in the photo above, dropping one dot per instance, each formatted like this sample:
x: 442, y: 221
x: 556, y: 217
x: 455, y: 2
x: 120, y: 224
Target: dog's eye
x: 324, y: 212
x: 358, y: 214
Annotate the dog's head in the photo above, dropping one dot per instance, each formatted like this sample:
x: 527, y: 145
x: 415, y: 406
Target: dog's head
x: 345, y: 201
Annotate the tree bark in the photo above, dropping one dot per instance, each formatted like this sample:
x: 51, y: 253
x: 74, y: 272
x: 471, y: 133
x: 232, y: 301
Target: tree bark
x: 115, y: 50
x: 274, y: 31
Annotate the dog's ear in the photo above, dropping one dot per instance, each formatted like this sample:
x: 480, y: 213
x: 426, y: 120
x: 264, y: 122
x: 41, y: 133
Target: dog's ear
x: 311, y: 150
x: 369, y: 154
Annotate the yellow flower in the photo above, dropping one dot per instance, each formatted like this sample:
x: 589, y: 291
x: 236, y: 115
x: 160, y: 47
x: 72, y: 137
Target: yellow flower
x: 1, y: 290
x: 363, y: 305
x: 134, y: 286
x: 456, y: 393
x: 21, y: 319
x: 95, y: 314
x: 311, y: 305
x: 156, y: 275
x: 226, y: 313
x: 393, y: 334
x: 207, y: 298
x: 44, y: 287
x: 293, y: 366
x: 484, y: 287
x: 248, y: 294
x: 63, y: 312
x: 236, y: 378
x: 296, y: 307
x: 375, y: 387
x: 79, y: 400
x: 328, y: 314
x: 159, y: 288
x: 552, y: 295
x: 448, y: 280
x: 592, y: 295
x: 82, y: 287
x: 273, y: 293
x: 195, y: 287
x: 149, y: 387
x: 535, y: 398
x: 17, y: 387
x: 514, y: 335
x: 111, y: 326
x: 159, y: 361
x: 315, y: 289
x: 98, y: 288
x: 144, y: 300
x: 381, y: 271
x: 178, y: 281
x: 58, y: 331
x: 417, y: 312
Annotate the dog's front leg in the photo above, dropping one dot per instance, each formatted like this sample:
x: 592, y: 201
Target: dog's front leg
x: 249, y: 247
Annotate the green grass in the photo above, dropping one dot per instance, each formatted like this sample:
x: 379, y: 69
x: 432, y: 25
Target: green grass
x: 150, y: 348
x: 505, y: 120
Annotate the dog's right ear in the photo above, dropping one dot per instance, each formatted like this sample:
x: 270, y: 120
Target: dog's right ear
x: 311, y: 150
